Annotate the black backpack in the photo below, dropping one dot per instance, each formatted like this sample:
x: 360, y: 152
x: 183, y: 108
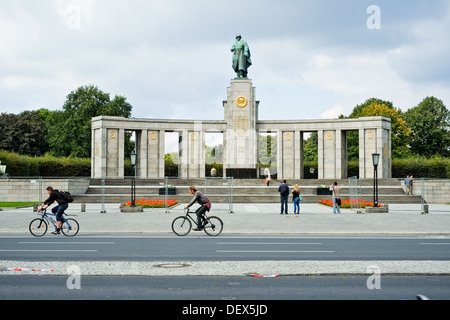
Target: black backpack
x: 66, y: 196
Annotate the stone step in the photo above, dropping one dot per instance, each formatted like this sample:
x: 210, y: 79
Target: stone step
x: 241, y: 182
x: 243, y: 191
x: 243, y: 198
x: 264, y: 190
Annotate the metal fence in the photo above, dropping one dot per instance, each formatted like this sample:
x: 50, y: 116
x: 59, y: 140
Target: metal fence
x: 354, y: 189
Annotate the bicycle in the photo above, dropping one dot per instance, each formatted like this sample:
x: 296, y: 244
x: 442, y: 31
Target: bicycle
x: 182, y: 225
x: 38, y: 227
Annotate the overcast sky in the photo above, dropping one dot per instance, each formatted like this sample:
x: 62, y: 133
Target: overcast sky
x: 171, y: 58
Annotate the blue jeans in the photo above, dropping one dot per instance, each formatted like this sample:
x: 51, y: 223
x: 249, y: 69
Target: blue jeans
x: 335, y: 205
x: 284, y: 202
x: 59, y: 210
x: 297, y: 205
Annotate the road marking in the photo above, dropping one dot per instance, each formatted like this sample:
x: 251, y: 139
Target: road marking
x: 44, y: 250
x: 270, y: 243
x: 66, y: 242
x: 436, y: 243
x: 271, y: 251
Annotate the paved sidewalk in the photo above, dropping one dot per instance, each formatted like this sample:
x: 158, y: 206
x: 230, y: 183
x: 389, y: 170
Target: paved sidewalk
x: 251, y: 219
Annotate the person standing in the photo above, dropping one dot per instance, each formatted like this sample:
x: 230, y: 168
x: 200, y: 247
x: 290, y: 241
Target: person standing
x: 55, y: 195
x: 283, y: 189
x: 267, y: 173
x: 296, y: 199
x: 335, y: 190
x: 408, y: 185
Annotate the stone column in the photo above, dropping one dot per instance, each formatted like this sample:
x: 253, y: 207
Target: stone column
x: 241, y: 116
x: 142, y: 152
x: 196, y: 154
x: 288, y: 154
x: 112, y: 151
x: 298, y: 155
x: 184, y: 152
x: 154, y: 155
x: 320, y: 155
x: 341, y: 155
x: 329, y: 154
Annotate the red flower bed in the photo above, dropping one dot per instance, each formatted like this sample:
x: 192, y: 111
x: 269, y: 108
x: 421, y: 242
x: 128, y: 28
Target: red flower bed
x: 149, y: 203
x: 347, y: 203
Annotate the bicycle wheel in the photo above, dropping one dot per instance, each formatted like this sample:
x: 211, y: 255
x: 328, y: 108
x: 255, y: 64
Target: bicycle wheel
x: 181, y: 226
x: 214, y: 226
x: 70, y: 227
x: 38, y: 227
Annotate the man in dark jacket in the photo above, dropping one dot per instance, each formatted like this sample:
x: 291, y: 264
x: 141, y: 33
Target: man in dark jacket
x: 54, y: 195
x: 283, y: 189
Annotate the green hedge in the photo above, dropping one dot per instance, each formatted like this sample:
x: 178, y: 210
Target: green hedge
x: 46, y: 166
x: 421, y: 167
x: 49, y: 166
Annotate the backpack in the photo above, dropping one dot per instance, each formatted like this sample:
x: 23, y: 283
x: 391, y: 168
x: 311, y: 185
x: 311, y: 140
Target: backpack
x: 66, y: 196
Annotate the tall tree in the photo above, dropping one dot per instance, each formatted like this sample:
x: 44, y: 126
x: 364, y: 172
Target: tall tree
x: 70, y: 129
x: 430, y: 123
x: 25, y: 133
x: 400, y: 133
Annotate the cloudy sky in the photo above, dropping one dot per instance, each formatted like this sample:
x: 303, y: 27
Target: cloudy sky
x: 171, y: 58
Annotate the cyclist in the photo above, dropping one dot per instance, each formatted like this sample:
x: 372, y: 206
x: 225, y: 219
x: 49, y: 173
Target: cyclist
x: 205, y: 205
x: 54, y: 195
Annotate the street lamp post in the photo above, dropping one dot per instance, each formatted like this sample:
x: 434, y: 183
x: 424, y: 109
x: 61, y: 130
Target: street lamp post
x: 375, y: 160
x: 133, y: 157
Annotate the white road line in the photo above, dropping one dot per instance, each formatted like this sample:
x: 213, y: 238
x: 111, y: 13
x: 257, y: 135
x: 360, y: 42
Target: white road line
x: 66, y: 242
x: 45, y: 250
x: 271, y: 251
x: 436, y: 243
x: 270, y: 243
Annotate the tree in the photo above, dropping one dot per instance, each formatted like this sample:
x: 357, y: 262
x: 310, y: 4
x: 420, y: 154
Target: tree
x: 400, y: 133
x: 25, y: 133
x: 70, y: 129
x: 429, y: 122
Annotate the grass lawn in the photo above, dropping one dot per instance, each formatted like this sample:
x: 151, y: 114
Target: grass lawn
x: 15, y: 204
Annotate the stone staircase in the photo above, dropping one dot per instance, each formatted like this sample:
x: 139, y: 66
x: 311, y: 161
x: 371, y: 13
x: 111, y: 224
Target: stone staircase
x: 240, y: 190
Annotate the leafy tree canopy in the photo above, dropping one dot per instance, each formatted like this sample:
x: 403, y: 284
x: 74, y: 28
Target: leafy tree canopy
x: 70, y: 129
x: 430, y: 123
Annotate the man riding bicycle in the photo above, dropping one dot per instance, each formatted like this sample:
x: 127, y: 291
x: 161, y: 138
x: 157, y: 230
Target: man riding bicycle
x: 205, y: 205
x: 54, y: 195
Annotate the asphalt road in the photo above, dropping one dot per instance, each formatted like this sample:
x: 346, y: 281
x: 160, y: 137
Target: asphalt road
x: 224, y: 248
x: 202, y: 290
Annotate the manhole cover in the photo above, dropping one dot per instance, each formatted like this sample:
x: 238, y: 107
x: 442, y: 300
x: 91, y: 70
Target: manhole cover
x: 172, y: 265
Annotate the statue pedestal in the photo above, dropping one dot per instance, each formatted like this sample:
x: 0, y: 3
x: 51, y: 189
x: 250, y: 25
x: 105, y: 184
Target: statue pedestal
x: 241, y: 141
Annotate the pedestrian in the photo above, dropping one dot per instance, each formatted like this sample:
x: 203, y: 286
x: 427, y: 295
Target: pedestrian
x: 407, y: 185
x: 411, y: 184
x: 55, y: 195
x: 296, y: 199
x: 335, y: 190
x: 312, y: 171
x: 267, y: 173
x: 283, y: 189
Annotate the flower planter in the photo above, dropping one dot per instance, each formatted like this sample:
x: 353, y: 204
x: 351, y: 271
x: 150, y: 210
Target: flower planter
x: 323, y: 192
x: 170, y: 191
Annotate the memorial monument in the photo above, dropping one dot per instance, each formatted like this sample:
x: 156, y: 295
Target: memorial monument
x: 240, y: 128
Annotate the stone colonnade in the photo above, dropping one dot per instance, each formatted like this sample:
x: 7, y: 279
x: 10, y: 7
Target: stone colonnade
x: 240, y: 130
